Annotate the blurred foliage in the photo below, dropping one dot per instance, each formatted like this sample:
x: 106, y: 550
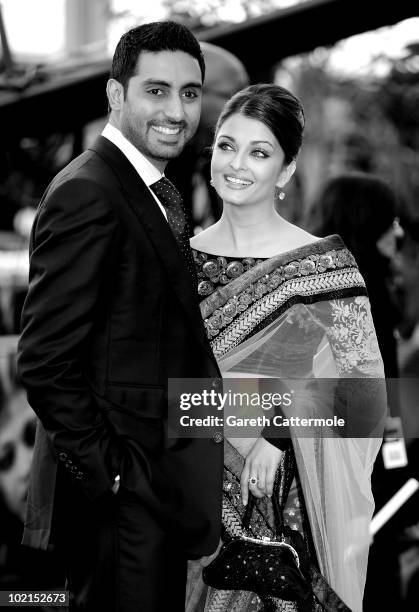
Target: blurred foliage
x: 26, y: 168
x: 199, y: 14
x: 368, y: 123
x: 398, y: 97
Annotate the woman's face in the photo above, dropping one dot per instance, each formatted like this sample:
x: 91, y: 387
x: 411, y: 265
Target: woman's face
x: 247, y: 162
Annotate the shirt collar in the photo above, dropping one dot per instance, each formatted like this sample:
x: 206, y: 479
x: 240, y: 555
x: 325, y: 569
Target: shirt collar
x: 149, y: 173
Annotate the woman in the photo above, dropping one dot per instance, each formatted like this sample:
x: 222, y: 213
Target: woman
x: 279, y: 302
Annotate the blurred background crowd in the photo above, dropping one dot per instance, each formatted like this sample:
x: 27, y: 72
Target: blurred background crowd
x: 356, y: 72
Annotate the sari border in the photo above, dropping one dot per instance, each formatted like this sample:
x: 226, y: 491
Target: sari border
x: 305, y: 290
x: 325, y: 253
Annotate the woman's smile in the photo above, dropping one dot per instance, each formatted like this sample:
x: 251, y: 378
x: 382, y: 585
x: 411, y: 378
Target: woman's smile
x: 236, y: 182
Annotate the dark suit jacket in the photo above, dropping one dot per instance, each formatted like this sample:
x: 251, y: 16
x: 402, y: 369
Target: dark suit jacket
x: 110, y: 315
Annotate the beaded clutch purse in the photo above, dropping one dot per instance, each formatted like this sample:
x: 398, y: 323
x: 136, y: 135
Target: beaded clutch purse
x: 275, y: 567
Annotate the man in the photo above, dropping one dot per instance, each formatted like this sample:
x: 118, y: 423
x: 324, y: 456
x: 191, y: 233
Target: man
x: 111, y: 314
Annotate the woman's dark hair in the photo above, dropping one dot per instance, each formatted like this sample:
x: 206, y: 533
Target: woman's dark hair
x: 275, y: 107
x: 152, y: 37
x: 358, y: 206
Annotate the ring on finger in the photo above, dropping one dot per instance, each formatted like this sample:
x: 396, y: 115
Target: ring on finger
x: 253, y: 480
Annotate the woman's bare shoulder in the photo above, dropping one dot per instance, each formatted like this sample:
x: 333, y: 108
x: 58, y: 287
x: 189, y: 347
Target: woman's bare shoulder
x: 296, y: 237
x: 206, y: 240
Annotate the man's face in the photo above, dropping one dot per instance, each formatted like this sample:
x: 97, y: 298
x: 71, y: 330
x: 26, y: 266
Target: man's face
x: 160, y: 110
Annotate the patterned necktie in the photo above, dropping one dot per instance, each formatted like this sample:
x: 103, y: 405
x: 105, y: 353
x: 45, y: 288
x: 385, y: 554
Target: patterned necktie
x: 171, y: 199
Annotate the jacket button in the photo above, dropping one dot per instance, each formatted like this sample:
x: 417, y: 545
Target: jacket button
x: 218, y: 437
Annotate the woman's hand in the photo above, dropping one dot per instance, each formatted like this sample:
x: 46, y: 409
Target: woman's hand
x: 261, y: 463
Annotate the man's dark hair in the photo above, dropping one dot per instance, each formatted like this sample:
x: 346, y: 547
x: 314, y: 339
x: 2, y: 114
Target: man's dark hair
x: 152, y: 37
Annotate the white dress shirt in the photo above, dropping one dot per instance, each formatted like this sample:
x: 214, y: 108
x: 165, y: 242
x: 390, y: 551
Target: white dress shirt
x: 149, y: 173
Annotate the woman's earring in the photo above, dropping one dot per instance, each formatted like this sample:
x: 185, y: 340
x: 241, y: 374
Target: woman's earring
x: 279, y: 194
x: 212, y: 183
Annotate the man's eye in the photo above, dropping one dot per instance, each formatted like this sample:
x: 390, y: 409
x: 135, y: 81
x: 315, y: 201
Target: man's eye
x: 155, y: 91
x: 191, y: 95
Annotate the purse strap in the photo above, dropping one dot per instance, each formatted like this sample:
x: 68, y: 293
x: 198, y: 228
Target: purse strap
x: 283, y: 480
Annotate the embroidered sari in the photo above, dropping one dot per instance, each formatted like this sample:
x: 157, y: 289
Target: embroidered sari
x: 301, y: 315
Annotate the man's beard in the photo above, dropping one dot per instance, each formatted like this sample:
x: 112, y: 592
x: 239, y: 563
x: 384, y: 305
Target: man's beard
x: 163, y: 154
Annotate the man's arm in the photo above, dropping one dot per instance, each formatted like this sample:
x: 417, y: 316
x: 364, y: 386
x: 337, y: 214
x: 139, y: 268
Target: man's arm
x: 71, y: 253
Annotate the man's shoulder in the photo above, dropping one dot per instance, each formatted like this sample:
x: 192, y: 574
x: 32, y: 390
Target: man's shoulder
x: 83, y: 177
x: 87, y: 166
x: 83, y: 186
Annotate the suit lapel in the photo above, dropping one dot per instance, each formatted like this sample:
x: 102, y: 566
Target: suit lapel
x: 147, y: 212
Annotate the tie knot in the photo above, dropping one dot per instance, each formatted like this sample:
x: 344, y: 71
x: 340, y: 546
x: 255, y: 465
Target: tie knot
x: 166, y: 192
